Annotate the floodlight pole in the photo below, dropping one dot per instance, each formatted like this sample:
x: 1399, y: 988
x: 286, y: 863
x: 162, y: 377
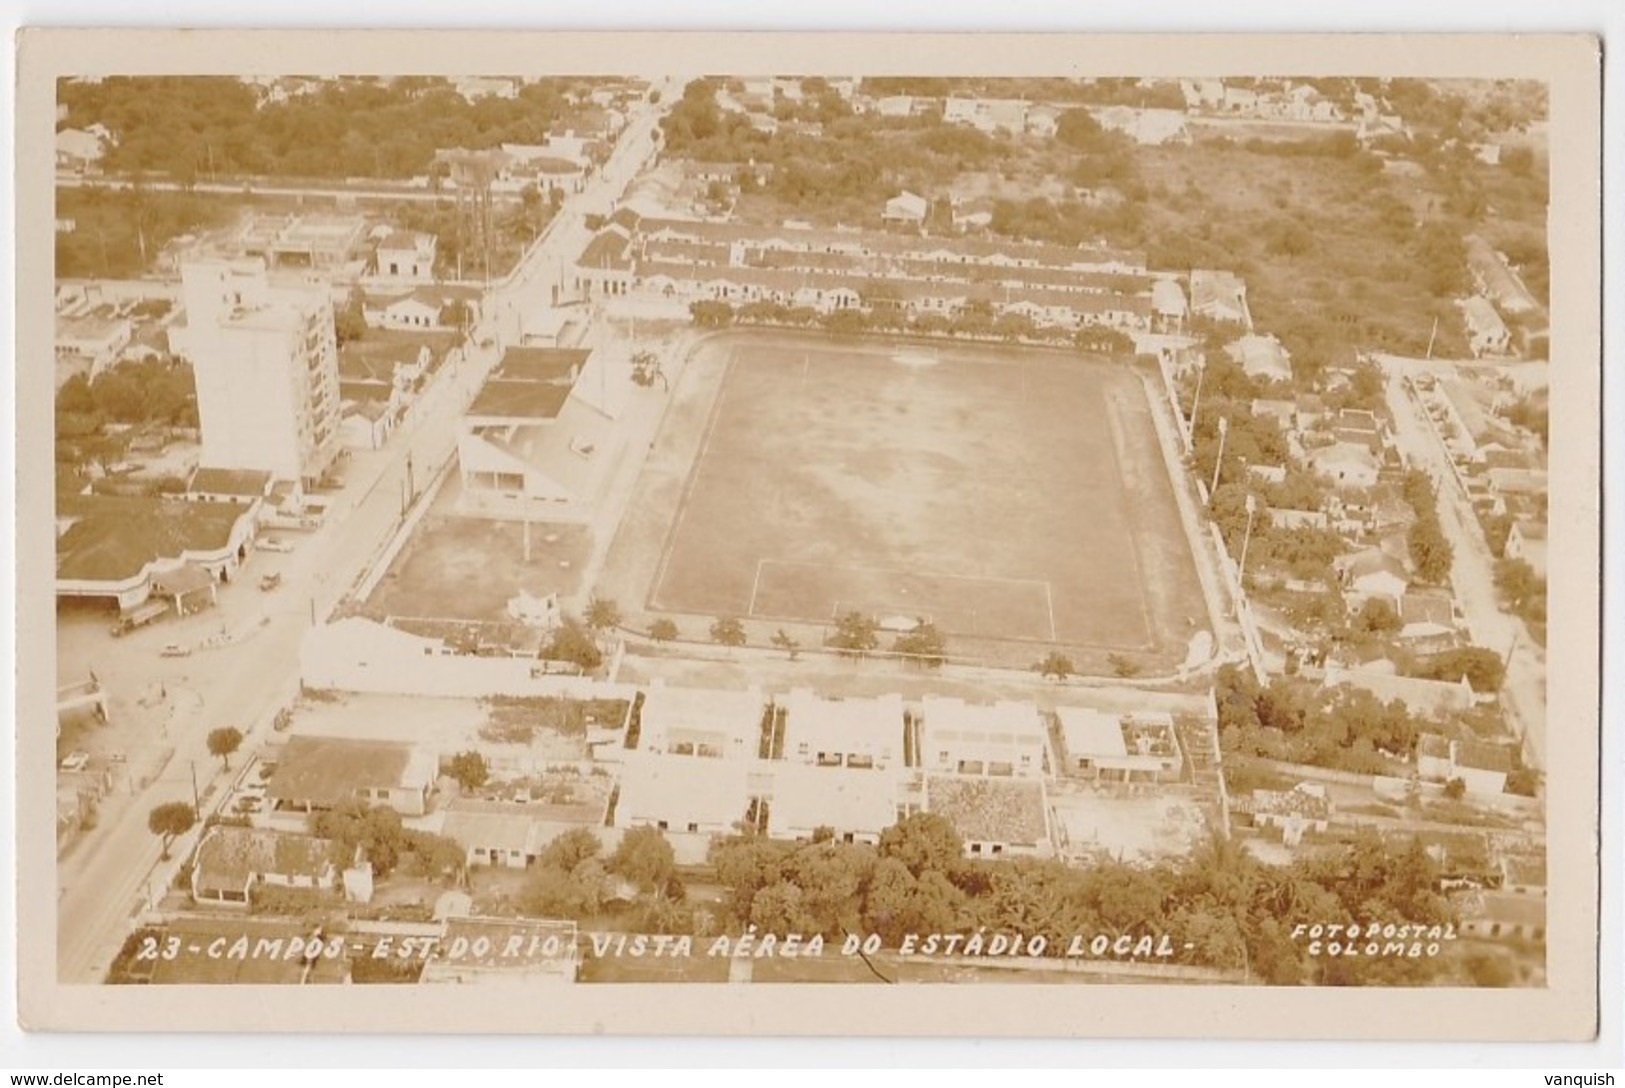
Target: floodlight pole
x: 1218, y: 462
x: 1247, y: 538
x: 1196, y: 401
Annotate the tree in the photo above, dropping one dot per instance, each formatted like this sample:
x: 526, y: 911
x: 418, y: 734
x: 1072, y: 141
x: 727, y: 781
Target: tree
x: 1518, y: 583
x: 728, y: 631
x: 572, y: 643
x: 663, y: 630
x: 470, y: 770
x: 1123, y: 666
x: 375, y: 830
x: 437, y: 857
x: 1378, y: 617
x: 708, y: 314
x: 350, y: 321
x: 171, y: 820
x: 1455, y: 789
x: 855, y: 634
x: 924, y: 842
x: 223, y: 742
x: 570, y: 849
x: 925, y: 644
x: 1055, y: 664
x: 1482, y: 667
x: 602, y: 614
x: 644, y: 857
x: 784, y: 642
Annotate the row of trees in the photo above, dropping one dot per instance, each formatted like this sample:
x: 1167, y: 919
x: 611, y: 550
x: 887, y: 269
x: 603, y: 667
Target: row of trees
x: 1224, y: 908
x: 1430, y: 550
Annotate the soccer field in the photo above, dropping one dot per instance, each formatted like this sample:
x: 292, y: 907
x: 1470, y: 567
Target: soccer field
x: 997, y: 492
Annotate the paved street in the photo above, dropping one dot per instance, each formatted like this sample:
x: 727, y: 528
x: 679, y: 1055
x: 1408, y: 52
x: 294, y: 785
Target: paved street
x: 1472, y: 572
x: 245, y: 683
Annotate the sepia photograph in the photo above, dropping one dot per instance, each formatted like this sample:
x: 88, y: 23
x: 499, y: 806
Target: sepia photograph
x: 827, y: 517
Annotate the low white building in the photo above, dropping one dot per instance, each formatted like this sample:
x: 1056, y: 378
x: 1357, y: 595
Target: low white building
x: 1481, y: 766
x: 710, y: 723
x: 1002, y: 739
x: 853, y: 805
x: 906, y: 207
x: 1487, y: 334
x: 697, y: 796
x: 1138, y: 747
x: 852, y: 732
x: 1527, y: 541
x: 406, y: 257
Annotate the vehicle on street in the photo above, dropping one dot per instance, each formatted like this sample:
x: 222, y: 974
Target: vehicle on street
x: 175, y: 649
x: 76, y: 761
x: 272, y: 544
x: 139, y: 617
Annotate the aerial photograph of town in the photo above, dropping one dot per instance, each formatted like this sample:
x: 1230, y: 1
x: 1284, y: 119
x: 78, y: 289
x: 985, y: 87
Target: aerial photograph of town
x: 801, y: 529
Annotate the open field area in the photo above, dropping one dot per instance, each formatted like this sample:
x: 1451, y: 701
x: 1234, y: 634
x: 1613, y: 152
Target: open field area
x: 469, y: 568
x: 1002, y: 494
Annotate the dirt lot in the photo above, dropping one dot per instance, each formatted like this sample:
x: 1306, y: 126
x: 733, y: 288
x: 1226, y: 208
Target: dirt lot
x: 469, y: 568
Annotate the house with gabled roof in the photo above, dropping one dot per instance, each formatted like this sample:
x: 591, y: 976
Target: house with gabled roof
x: 906, y: 207
x: 1220, y: 296
x: 231, y: 862
x: 1374, y: 573
x: 405, y: 257
x: 1527, y: 541
x: 995, y: 817
x: 316, y: 773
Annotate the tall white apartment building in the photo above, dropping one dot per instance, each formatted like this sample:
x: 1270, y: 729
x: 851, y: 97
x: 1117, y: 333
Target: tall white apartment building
x: 266, y: 364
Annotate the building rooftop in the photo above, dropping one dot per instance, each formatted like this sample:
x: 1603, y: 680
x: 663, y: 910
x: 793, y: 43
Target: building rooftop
x: 992, y: 810
x: 248, y: 483
x: 807, y: 797
x: 326, y: 770
x: 1481, y: 755
x: 228, y: 856
x: 955, y: 719
x: 114, y: 538
x: 1091, y: 733
x: 608, y: 249
x: 1506, y: 908
x: 671, y: 713
x: 1305, y: 800
x: 1430, y: 608
x: 680, y: 790
x: 842, y: 725
x: 530, y: 383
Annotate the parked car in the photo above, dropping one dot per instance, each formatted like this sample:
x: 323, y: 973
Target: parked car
x: 248, y: 804
x: 76, y: 761
x: 175, y: 649
x: 270, y: 582
x: 272, y: 544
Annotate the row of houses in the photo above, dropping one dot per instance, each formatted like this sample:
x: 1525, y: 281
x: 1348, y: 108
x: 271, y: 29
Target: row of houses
x: 802, y: 267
